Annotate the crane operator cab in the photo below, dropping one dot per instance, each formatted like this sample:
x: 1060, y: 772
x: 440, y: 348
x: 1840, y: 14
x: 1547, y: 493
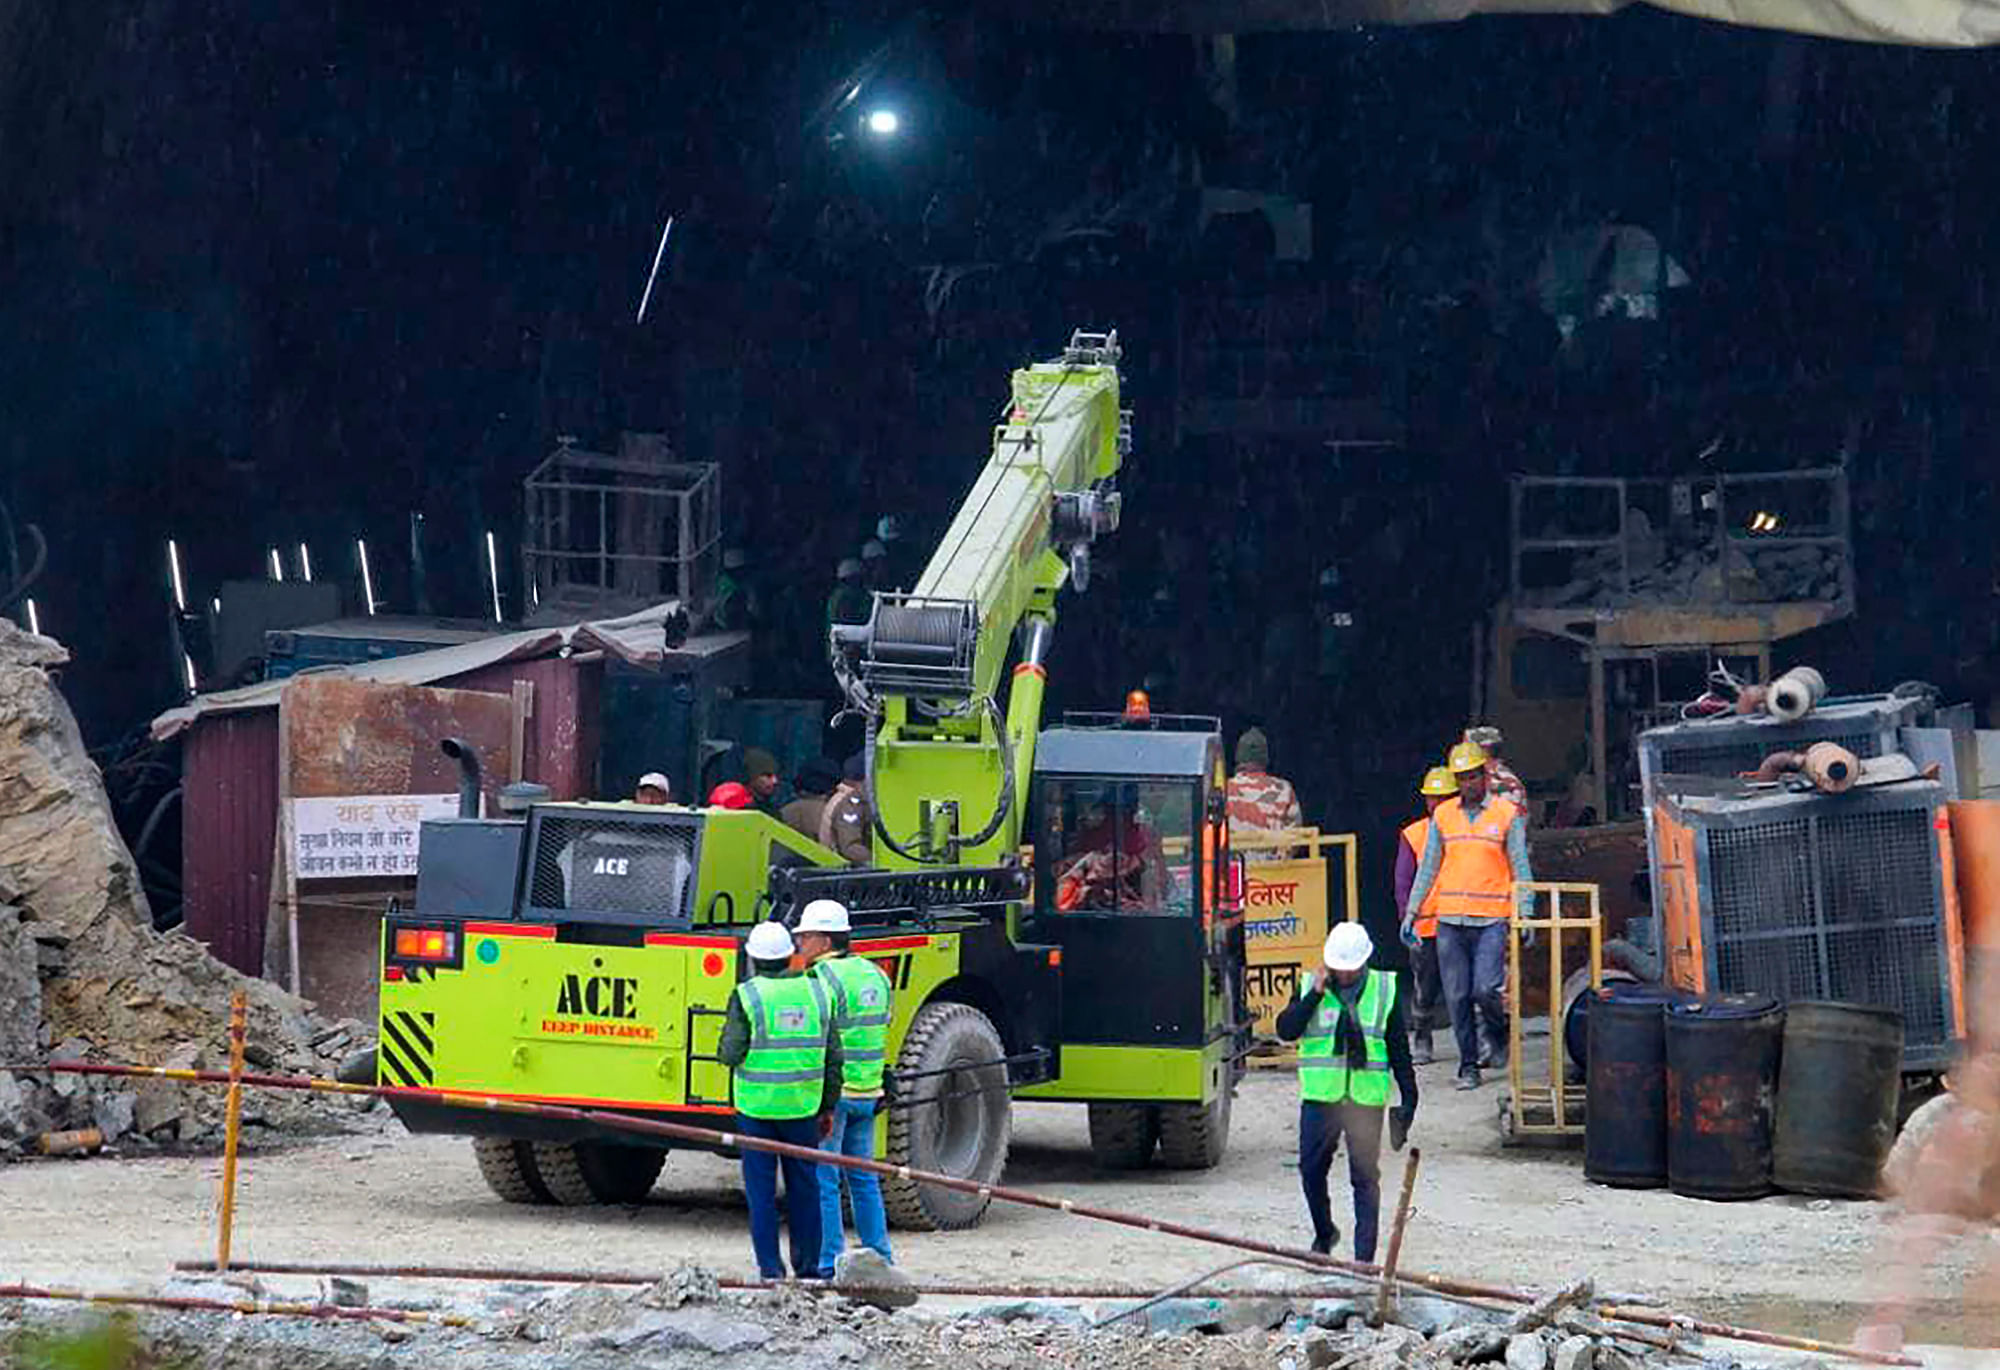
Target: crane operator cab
x: 1134, y: 882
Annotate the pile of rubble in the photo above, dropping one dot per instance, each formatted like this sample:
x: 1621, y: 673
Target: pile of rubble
x: 83, y: 975
x: 687, y: 1320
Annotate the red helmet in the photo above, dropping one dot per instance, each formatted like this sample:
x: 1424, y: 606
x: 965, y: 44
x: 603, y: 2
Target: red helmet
x: 1138, y: 706
x: 730, y: 794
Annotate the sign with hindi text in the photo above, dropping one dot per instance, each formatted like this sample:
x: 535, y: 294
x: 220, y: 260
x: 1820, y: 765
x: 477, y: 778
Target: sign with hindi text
x: 356, y: 837
x: 1284, y: 931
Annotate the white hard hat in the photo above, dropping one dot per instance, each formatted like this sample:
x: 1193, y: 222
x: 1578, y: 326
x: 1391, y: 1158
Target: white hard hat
x: 735, y: 559
x: 653, y: 780
x: 888, y: 528
x: 1348, y: 947
x: 769, y: 942
x: 849, y: 568
x: 871, y: 550
x: 824, y: 915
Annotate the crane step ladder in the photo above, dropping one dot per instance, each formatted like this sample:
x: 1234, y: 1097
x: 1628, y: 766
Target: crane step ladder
x: 1541, y: 1103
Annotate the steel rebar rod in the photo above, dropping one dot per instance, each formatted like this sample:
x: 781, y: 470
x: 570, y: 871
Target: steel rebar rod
x: 365, y: 1270
x: 1387, y: 1296
x: 710, y: 1137
x: 234, y: 1306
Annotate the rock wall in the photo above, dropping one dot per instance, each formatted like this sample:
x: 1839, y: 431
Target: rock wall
x: 60, y: 853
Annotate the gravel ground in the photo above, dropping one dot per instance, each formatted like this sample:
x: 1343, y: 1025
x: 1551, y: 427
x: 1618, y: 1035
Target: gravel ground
x: 1511, y: 1216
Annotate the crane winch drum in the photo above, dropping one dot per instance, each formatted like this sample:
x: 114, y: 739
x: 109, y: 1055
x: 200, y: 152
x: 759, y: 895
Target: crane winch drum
x: 921, y: 647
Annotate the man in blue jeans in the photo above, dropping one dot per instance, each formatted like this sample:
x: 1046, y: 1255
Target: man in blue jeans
x: 862, y: 1000
x: 1475, y: 874
x: 1348, y: 1022
x: 779, y: 1040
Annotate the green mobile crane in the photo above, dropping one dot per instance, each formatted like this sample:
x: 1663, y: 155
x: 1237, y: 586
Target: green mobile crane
x: 585, y: 953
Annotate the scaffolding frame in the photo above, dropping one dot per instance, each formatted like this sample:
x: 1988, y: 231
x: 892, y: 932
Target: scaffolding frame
x: 625, y: 531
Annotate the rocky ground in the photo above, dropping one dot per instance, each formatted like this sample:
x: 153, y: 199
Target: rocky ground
x: 686, y: 1321
x: 1519, y: 1217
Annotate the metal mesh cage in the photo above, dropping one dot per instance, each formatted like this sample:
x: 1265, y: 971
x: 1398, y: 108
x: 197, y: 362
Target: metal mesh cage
x: 612, y: 868
x: 1811, y: 897
x: 1740, y: 754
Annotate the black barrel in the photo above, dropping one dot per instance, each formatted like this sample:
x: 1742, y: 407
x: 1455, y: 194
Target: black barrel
x: 1722, y: 1083
x: 1625, y: 1123
x: 1578, y: 996
x: 1837, y: 1098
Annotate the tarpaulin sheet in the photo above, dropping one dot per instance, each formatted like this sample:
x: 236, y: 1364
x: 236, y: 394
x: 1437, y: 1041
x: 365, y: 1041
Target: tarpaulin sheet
x: 638, y: 638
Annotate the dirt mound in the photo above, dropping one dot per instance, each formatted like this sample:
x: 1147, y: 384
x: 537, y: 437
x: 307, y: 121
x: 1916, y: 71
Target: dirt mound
x: 83, y: 975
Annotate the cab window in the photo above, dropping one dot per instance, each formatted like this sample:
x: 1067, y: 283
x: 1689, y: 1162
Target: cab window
x: 1112, y: 846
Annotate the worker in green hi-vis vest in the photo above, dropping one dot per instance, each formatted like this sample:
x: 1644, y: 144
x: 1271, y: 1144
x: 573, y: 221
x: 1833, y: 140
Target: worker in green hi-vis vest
x: 863, y: 1003
x: 1349, y: 1027
x: 779, y: 1039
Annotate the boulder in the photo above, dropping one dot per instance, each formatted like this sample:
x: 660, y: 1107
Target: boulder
x: 1946, y: 1161
x: 60, y: 852
x: 1254, y: 1315
x: 1576, y: 1353
x: 1178, y: 1317
x: 1527, y: 1351
x: 862, y: 1275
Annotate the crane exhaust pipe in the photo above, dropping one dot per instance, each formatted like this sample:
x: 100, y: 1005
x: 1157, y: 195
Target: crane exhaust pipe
x: 467, y: 757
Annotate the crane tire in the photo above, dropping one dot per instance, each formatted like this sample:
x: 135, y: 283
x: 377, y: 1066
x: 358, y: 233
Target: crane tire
x: 1194, y: 1136
x: 508, y: 1167
x: 617, y: 1174
x: 562, y: 1173
x: 965, y: 1134
x: 1122, y: 1136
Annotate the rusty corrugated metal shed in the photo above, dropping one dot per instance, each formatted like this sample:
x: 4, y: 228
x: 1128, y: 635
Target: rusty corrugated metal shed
x: 230, y: 771
x: 229, y: 807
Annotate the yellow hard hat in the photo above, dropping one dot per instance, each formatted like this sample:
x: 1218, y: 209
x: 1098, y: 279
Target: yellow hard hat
x: 1438, y: 783
x: 1467, y: 756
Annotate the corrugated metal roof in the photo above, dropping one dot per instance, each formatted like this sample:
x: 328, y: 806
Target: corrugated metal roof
x: 637, y: 638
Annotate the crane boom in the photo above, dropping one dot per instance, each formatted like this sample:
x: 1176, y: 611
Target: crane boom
x: 946, y: 775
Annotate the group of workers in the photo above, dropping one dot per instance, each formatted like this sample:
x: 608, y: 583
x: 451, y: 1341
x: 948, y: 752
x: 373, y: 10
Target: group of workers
x: 829, y: 804
x: 808, y: 1043
x: 882, y: 565
x: 1461, y: 871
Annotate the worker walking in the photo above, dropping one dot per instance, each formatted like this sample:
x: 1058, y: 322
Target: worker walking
x: 862, y: 1000
x: 1349, y: 1027
x: 1259, y: 801
x: 778, y: 1038
x: 1438, y: 786
x: 1475, y: 861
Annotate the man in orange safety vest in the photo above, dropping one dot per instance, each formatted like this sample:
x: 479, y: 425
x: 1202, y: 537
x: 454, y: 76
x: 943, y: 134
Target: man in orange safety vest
x: 1475, y: 863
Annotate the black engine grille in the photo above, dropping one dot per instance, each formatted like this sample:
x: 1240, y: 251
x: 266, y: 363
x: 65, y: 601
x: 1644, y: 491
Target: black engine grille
x: 1834, y: 902
x: 613, y: 868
